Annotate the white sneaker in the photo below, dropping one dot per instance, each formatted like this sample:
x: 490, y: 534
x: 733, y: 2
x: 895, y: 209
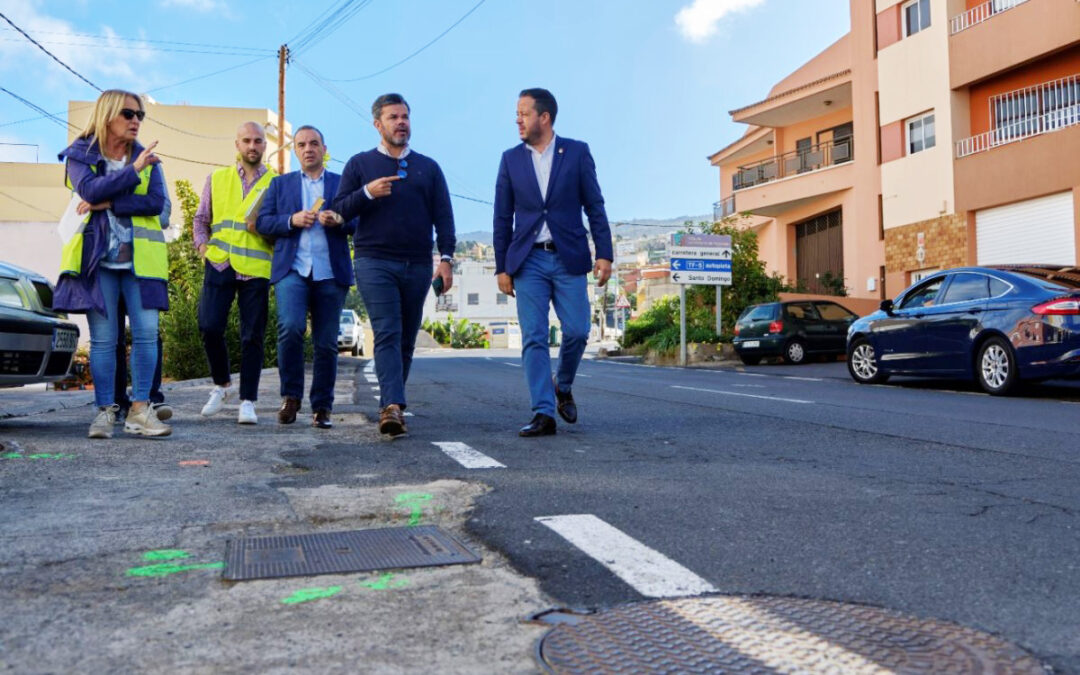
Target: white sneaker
x: 102, y: 426
x: 163, y: 411
x: 217, y: 399
x: 247, y: 413
x: 145, y: 423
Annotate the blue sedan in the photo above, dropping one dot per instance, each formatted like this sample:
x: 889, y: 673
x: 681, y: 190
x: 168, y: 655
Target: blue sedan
x: 998, y: 324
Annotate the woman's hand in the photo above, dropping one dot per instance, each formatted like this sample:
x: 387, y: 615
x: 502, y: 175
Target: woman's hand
x: 146, y: 157
x: 86, y: 207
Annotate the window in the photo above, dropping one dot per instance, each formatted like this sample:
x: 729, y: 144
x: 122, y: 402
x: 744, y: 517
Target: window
x: 966, y: 287
x: 830, y: 311
x: 998, y: 287
x: 1033, y: 110
x: 924, y: 295
x: 920, y: 133
x: 919, y: 275
x: 760, y: 313
x: 474, y: 298
x: 916, y: 16
x: 801, y: 310
x: 500, y: 298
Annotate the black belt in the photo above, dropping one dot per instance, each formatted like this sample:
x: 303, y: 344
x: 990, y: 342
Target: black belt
x: 547, y: 246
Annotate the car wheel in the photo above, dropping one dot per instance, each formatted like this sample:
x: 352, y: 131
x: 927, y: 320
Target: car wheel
x: 356, y: 349
x: 861, y: 364
x: 750, y: 360
x: 995, y: 367
x: 795, y: 352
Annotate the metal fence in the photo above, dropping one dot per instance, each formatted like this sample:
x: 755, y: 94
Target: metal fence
x: 723, y: 208
x: 1027, y: 112
x: 980, y: 13
x: 792, y: 163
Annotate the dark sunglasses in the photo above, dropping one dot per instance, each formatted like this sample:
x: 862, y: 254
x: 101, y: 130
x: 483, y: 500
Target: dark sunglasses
x: 402, y: 165
x: 128, y: 114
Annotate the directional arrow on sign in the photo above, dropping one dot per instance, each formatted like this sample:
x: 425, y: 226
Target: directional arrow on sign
x: 676, y: 264
x: 726, y: 253
x: 675, y: 277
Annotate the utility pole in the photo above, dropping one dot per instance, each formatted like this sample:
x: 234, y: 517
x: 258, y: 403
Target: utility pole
x: 283, y: 58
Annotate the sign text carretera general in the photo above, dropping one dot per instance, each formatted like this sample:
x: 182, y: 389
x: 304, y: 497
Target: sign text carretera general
x: 700, y: 259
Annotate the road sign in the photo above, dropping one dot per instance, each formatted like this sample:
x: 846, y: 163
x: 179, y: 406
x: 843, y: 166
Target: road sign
x: 622, y: 302
x: 700, y: 259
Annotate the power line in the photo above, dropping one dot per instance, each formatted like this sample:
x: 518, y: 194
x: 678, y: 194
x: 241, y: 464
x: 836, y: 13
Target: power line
x: 53, y: 56
x: 331, y: 21
x: 452, y: 194
x: 331, y: 89
x: 111, y: 38
x: 142, y: 47
x: 436, y: 39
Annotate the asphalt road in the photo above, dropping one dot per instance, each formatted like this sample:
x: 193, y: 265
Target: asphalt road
x: 924, y: 497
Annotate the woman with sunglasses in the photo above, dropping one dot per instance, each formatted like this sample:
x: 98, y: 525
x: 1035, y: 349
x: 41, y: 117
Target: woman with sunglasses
x: 120, y: 253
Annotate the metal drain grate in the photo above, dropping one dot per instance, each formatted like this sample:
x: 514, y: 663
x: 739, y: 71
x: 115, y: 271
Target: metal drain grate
x: 340, y: 552
x: 772, y: 635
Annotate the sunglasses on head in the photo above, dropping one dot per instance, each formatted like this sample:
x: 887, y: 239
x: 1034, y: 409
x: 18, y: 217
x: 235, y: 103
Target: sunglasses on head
x: 129, y: 114
x: 402, y: 165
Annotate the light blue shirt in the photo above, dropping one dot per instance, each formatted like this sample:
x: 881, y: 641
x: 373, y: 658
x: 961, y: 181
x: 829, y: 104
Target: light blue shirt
x: 312, y: 253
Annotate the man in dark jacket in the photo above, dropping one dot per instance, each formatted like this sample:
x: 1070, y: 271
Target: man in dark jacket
x: 399, y: 196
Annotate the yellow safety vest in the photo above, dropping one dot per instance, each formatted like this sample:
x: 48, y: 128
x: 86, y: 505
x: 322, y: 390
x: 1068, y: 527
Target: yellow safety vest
x: 150, y: 256
x: 248, y: 253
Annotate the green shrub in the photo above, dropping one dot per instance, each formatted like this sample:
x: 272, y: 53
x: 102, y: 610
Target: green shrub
x: 460, y: 334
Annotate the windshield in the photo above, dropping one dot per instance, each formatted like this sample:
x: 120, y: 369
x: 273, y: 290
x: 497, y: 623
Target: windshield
x: 346, y: 319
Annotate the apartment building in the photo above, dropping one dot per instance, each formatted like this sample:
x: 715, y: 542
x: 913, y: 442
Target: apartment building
x: 936, y: 133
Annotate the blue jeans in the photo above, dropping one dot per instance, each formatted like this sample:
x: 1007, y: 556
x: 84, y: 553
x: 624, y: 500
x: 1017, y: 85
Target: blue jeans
x: 104, y: 333
x: 394, y: 294
x: 542, y: 281
x: 120, y: 387
x: 296, y: 296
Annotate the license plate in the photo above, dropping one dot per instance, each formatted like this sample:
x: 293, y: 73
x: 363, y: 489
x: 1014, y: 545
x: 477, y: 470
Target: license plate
x: 750, y: 344
x: 65, y: 340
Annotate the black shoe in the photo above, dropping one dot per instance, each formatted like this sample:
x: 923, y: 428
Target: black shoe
x: 541, y: 425
x: 565, y: 405
x: 321, y: 419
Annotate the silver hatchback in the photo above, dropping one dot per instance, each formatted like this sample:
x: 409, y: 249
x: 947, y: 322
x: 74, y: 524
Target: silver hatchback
x: 36, y: 343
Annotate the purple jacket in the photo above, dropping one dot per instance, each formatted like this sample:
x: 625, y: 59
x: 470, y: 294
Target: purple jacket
x: 82, y: 293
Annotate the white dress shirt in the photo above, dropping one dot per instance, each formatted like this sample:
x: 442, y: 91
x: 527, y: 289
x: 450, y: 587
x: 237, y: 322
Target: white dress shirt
x: 542, y: 166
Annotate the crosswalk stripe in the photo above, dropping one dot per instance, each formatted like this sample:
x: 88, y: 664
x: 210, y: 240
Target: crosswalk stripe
x: 646, y: 570
x: 468, y: 457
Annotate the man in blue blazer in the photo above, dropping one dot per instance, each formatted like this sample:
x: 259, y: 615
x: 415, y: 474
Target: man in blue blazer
x: 542, y: 251
x: 311, y: 271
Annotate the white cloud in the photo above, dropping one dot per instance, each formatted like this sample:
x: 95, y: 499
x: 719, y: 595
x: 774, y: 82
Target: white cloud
x: 106, y: 62
x: 196, y: 5
x: 698, y: 21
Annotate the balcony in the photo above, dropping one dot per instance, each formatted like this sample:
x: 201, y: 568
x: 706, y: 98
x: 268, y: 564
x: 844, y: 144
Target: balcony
x: 793, y: 179
x: 980, y: 13
x: 1027, y: 112
x: 723, y: 208
x: 1000, y: 35
x: 794, y: 163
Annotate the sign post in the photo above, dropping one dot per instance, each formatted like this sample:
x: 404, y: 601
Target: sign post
x: 703, y: 259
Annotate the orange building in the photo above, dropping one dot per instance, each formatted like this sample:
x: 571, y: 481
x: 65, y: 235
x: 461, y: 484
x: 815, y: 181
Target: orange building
x: 936, y: 133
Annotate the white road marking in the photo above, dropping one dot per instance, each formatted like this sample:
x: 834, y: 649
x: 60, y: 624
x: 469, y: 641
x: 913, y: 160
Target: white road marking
x: 513, y: 365
x: 374, y: 389
x: 468, y: 457
x: 750, y: 386
x: 370, y: 367
x: 647, y: 571
x: 734, y: 393
x: 803, y: 379
x: 751, y: 374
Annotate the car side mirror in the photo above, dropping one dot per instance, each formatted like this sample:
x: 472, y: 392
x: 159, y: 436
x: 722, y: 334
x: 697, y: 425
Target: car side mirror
x: 887, y: 307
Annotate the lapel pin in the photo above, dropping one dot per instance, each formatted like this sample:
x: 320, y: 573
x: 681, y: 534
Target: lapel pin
x: 561, y: 150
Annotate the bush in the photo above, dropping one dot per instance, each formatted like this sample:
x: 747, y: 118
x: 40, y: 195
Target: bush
x: 460, y: 334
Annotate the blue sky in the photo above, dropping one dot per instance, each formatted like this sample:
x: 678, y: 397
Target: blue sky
x: 647, y: 84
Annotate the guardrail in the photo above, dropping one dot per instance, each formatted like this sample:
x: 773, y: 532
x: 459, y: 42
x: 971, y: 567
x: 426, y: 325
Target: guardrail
x: 980, y: 13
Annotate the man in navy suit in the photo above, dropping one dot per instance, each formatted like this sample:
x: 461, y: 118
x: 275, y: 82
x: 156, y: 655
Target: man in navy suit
x: 311, y: 271
x: 542, y: 252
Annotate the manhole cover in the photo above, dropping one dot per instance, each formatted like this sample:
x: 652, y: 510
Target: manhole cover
x: 339, y: 552
x: 772, y: 635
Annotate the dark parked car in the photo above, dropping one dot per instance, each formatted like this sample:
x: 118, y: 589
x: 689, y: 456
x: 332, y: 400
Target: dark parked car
x: 998, y: 324
x: 792, y: 330
x: 36, y: 343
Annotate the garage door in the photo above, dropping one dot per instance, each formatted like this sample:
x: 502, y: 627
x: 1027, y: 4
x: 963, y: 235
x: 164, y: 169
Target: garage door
x: 1034, y: 231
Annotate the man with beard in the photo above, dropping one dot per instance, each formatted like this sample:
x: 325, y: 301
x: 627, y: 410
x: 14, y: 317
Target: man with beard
x: 237, y: 267
x: 399, y: 196
x: 311, y: 272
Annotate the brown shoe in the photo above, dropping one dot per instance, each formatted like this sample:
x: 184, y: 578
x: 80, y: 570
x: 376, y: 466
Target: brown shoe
x: 321, y: 419
x: 391, y: 421
x: 289, y: 407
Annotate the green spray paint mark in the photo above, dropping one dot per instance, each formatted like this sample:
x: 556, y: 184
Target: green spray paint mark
x: 309, y: 594
x: 165, y: 569
x: 166, y: 554
x: 384, y: 582
x: 11, y: 455
x: 40, y: 455
x: 414, y: 501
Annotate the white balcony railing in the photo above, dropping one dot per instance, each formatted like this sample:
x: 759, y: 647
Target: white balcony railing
x: 1019, y: 130
x: 1027, y: 112
x: 980, y: 13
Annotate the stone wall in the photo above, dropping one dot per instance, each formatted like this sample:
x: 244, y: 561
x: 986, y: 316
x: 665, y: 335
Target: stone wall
x: 945, y: 240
